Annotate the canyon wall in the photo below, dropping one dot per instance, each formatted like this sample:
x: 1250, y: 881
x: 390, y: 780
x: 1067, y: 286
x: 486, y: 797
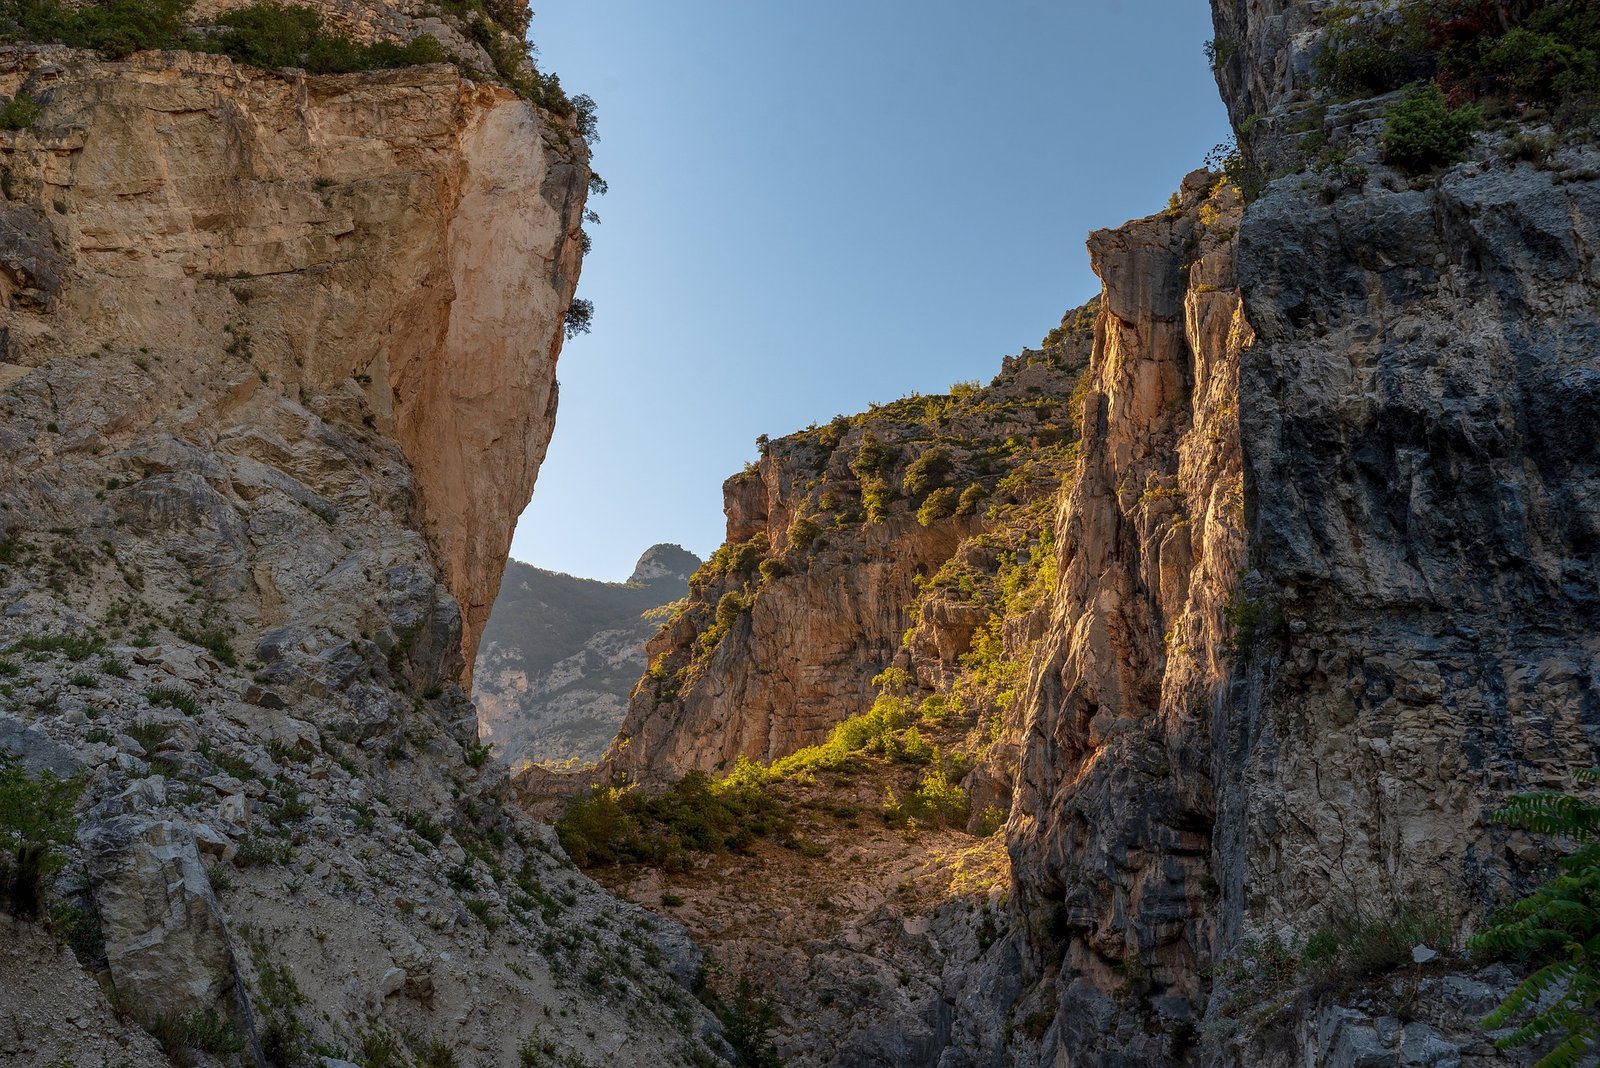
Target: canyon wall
x: 277, y: 375
x: 1291, y: 733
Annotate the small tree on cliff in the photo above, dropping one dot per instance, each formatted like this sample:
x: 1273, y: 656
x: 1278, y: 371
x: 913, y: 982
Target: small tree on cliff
x: 580, y: 316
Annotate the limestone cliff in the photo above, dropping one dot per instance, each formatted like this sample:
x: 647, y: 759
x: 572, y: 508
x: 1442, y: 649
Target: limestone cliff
x: 1231, y: 775
x: 1109, y: 831
x: 561, y: 655
x: 278, y: 372
x: 831, y: 536
x: 382, y: 240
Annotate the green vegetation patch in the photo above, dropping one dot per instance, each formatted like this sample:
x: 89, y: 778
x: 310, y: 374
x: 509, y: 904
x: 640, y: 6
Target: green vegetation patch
x: 273, y: 35
x: 37, y: 820
x: 74, y: 646
x: 1423, y: 132
x: 622, y: 826
x: 1545, y: 54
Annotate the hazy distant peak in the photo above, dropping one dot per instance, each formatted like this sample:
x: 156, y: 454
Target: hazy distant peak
x: 664, y: 561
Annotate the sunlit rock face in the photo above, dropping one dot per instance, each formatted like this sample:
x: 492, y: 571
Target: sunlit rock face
x: 276, y: 373
x: 1110, y: 829
x: 403, y: 245
x: 830, y: 571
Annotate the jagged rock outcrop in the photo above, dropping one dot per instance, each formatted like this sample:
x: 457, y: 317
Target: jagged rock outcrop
x: 166, y: 942
x: 560, y: 655
x: 1109, y: 830
x: 278, y: 371
x: 831, y: 535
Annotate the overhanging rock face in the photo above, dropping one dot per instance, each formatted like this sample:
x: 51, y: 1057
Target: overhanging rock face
x: 401, y: 246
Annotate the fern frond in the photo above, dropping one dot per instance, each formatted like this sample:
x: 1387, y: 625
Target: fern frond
x: 1562, y: 815
x: 1569, y: 1053
x: 1527, y: 993
x: 1535, y: 1028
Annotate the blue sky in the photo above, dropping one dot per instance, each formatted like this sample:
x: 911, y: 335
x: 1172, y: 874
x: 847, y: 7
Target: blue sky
x: 819, y: 205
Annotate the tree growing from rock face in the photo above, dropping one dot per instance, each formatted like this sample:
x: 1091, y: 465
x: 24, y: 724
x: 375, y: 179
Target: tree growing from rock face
x: 1556, y: 929
x: 579, y: 318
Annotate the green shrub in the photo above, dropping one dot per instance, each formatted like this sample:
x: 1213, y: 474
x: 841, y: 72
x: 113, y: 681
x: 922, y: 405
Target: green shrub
x: 695, y: 814
x: 1555, y: 931
x: 424, y: 826
x: 937, y: 799
x: 747, y: 1025
x: 172, y: 697
x: 37, y: 820
x: 213, y: 639
x: 115, y: 28
x: 877, y: 730
x: 1365, y: 55
x: 294, y: 807
x: 478, y: 755
x: 259, y: 851
x: 773, y: 568
x: 205, y: 1031
x: 735, y: 558
x: 1550, y: 55
x: 941, y: 504
x: 579, y: 318
x: 1358, y: 941
x: 876, y: 496
x: 1422, y: 132
x: 971, y: 497
x: 927, y: 472
x: 149, y: 735
x: 381, y: 1049
x: 20, y: 113
x: 272, y: 35
x: 282, y: 1033
x: 485, y: 913
x: 803, y: 532
x: 75, y: 646
x: 873, y: 458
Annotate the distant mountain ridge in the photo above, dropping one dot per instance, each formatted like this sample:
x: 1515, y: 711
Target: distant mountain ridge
x: 560, y: 655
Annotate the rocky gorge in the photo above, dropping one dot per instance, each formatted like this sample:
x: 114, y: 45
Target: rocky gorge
x: 1149, y: 704
x: 1320, y: 600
